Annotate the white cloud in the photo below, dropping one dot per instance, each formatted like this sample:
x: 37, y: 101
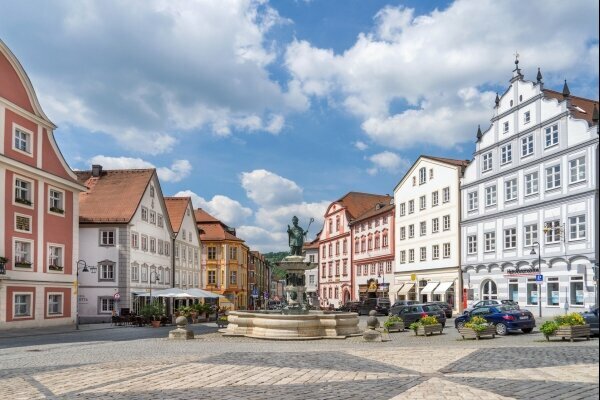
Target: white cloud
x: 230, y: 211
x: 362, y: 146
x: 179, y: 170
x: 268, y: 189
x: 387, y: 161
x: 442, y: 70
x: 263, y: 240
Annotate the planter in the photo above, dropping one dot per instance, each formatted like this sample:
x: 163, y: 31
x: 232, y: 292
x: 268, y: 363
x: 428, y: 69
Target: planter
x: 571, y: 332
x: 222, y: 324
x: 22, y: 265
x: 427, y: 330
x: 55, y: 268
x: 470, y: 333
x: 155, y: 324
x: 397, y: 327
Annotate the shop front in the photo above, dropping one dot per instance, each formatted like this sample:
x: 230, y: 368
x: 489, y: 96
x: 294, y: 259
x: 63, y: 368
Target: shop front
x: 373, y: 289
x: 427, y: 286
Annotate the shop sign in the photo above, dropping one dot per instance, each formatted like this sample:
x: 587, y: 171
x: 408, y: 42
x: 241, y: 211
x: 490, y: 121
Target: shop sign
x: 527, y: 271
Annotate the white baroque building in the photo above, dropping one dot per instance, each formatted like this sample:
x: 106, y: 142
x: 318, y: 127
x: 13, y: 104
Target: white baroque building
x: 311, y: 276
x: 427, y: 232
x: 532, y: 185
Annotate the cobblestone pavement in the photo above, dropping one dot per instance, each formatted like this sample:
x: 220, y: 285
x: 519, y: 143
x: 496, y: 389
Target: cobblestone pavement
x: 137, y: 363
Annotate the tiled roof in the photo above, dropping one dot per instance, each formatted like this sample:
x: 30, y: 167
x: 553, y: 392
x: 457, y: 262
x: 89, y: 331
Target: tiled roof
x: 203, y: 216
x: 458, y: 163
x: 114, y: 196
x: 211, y: 228
x: 176, y: 207
x: 357, y: 203
x: 586, y: 105
x: 373, y: 212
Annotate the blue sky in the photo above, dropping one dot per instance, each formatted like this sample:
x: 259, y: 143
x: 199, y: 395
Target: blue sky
x: 262, y: 110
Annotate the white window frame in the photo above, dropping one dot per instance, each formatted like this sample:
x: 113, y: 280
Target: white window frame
x: 135, y: 240
x: 511, y: 190
x: 579, y: 223
x: 527, y: 117
x: 530, y: 234
x: 552, y: 230
x: 505, y: 127
x: 411, y: 206
x: 577, y: 170
x: 62, y: 201
x: 402, y: 209
x: 473, y: 200
x: 446, y: 250
x: 110, y: 305
x: 28, y: 141
x: 61, y: 304
x: 402, y: 233
x: 551, y: 132
x: 411, y: 231
x: 423, y: 253
x: 144, y: 214
x: 135, y: 272
x: 411, y: 255
x: 423, y: 228
x: 527, y: 146
x: 101, y: 238
x: 101, y: 271
x: 422, y: 175
x: 491, y: 196
x: 553, y: 178
x: 62, y: 257
x: 31, y: 254
x: 435, y: 252
x: 472, y: 244
x: 487, y: 161
x: 446, y: 195
x: 402, y: 257
x: 532, y: 180
x: 435, y: 225
x: 506, y: 154
x: 573, y: 299
x: 31, y: 192
x: 28, y: 304
x: 490, y: 241
x: 422, y: 202
x: 510, y: 238
x: 435, y: 198
x: 446, y: 222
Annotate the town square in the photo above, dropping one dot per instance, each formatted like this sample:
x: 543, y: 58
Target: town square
x: 304, y: 199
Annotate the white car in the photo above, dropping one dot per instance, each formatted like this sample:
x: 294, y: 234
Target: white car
x: 483, y: 303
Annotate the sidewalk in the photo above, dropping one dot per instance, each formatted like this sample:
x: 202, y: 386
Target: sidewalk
x: 12, y: 333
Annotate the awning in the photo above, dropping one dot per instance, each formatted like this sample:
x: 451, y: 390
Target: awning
x: 199, y: 293
x: 429, y: 288
x: 406, y: 288
x: 444, y: 286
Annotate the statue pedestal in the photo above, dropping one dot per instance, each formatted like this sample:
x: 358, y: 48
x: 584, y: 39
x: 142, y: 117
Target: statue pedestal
x: 295, y: 289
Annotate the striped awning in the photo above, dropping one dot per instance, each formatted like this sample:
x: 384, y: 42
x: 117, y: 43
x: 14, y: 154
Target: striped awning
x: 429, y: 288
x: 406, y: 288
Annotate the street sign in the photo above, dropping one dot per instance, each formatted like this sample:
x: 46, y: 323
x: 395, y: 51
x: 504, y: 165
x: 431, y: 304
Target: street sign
x: 539, y: 278
x: 116, y: 296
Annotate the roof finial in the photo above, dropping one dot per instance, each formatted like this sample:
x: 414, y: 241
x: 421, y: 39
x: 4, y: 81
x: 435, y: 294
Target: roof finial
x: 516, y: 59
x: 517, y: 71
x: 539, y: 75
x: 566, y: 92
x: 497, y: 100
x: 479, y: 134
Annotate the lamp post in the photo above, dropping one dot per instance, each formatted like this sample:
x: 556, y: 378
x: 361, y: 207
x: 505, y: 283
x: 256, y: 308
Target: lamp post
x: 539, y: 252
x: 156, y: 279
x: 80, y: 264
x: 382, y: 275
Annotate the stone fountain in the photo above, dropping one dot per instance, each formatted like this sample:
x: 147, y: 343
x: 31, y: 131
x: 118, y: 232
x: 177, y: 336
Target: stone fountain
x: 295, y: 320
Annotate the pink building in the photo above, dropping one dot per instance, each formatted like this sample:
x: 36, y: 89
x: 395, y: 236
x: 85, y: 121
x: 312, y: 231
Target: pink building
x: 336, y: 281
x: 39, y: 217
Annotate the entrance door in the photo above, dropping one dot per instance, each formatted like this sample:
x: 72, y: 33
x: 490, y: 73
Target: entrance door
x: 489, y: 291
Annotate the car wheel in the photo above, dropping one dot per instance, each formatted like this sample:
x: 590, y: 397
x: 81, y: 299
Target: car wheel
x: 501, y: 329
x: 527, y: 330
x: 460, y: 325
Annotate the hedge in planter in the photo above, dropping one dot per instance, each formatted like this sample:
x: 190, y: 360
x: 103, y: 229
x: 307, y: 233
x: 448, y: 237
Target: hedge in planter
x: 426, y: 326
x: 476, y: 328
x: 394, y: 323
x: 569, y: 326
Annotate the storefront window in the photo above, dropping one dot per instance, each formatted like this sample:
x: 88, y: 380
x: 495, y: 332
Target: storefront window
x: 576, y: 290
x: 552, y: 291
x: 489, y: 291
x: 513, y: 290
x: 532, y: 292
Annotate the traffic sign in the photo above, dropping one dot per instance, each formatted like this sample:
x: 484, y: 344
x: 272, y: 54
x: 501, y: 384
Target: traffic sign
x: 116, y: 296
x: 539, y: 278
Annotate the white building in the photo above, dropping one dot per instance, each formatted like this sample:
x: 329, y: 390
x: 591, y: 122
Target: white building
x: 427, y: 233
x: 532, y: 186
x: 126, y: 234
x: 311, y: 276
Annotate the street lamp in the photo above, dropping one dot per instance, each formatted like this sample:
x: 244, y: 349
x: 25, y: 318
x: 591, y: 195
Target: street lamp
x: 156, y: 279
x: 80, y: 264
x: 380, y: 274
x: 539, y: 253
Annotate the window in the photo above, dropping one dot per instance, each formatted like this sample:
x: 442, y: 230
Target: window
x: 531, y: 183
x: 23, y: 255
x: 345, y: 268
x: 472, y: 201
x: 402, y: 209
x: 532, y: 292
x: 55, y: 258
x: 388, y: 267
x: 160, y: 220
x: 423, y: 228
x: 22, y: 141
x: 414, y: 179
x: 513, y: 290
x: 491, y: 196
x: 385, y: 220
x: 487, y: 162
x: 423, y: 253
x: 135, y: 240
x: 337, y: 224
x: 212, y: 252
x: 527, y: 146
x: 385, y: 239
x: 345, y: 247
x: 153, y: 217
x: 212, y: 277
x: 446, y: 250
x: 151, y: 191
x: 411, y: 255
x: 411, y: 231
x: 489, y: 290
x: 435, y: 225
x: 135, y: 273
x: 510, y: 189
x: 107, y: 304
x: 55, y: 304
x: 233, y: 278
x: 527, y: 117
x: 55, y: 201
x: 411, y: 206
x: 233, y: 253
x: 330, y: 225
x: 337, y: 247
x: 23, y: 192
x: 311, y: 279
x: 422, y: 202
x: 505, y: 127
x: 167, y: 248
x: 510, y: 238
x: 430, y: 173
x: 22, y: 305
x: 434, y: 198
x: 552, y: 291
x: 472, y: 244
x: 402, y: 256
x: 576, y: 289
x: 506, y: 154
x: 144, y: 274
x: 577, y: 227
x: 435, y: 250
x: 577, y: 169
x: 531, y: 234
x: 377, y: 242
x: 422, y: 175
x: 22, y: 223
x: 144, y: 243
x: 551, y: 135
x: 446, y: 222
x: 107, y: 238
x: 553, y: 177
x: 106, y: 271
x: 490, y: 241
x: 446, y: 193
x: 144, y: 214
x: 552, y: 230
x: 153, y: 245
x: 402, y: 233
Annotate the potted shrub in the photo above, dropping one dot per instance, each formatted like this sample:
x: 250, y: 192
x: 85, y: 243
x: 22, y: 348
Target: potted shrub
x: 57, y: 210
x: 186, y: 311
x: 3, y: 261
x: 23, y: 264
x: 476, y: 328
x: 222, y: 321
x: 394, y: 323
x: 153, y: 313
x: 569, y: 326
x: 55, y: 268
x: 426, y: 326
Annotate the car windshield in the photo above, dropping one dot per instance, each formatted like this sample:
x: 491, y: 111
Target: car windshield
x: 431, y: 307
x: 508, y: 308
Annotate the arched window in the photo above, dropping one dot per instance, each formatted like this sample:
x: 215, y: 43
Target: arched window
x: 489, y: 291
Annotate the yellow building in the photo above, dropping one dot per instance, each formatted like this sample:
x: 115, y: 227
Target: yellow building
x: 224, y: 260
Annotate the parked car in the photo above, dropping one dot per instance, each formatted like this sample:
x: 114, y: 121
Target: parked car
x: 494, y: 303
x: 380, y: 305
x: 511, y: 303
x: 504, y: 318
x: 444, y: 306
x: 351, y: 306
x: 591, y: 317
x: 414, y: 312
x: 399, y: 304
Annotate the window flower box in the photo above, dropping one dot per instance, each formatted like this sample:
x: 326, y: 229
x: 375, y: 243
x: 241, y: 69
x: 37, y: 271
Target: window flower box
x: 57, y: 210
x: 55, y: 268
x: 23, y: 201
x: 23, y: 264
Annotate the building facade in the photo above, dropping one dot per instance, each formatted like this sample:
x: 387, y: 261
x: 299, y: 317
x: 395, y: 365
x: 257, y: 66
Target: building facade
x: 531, y: 195
x: 258, y: 280
x: 126, y: 236
x: 39, y: 213
x: 373, y: 251
x: 428, y: 232
x: 311, y: 276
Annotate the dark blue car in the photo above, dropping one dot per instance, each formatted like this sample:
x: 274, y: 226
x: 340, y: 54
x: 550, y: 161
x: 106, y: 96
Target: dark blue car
x: 504, y: 318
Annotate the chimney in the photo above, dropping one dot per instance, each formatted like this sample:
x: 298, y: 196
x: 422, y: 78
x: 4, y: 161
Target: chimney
x: 96, y: 171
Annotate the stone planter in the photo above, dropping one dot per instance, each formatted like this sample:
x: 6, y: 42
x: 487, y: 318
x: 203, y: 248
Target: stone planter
x: 571, y: 332
x: 222, y: 324
x: 470, y: 333
x: 426, y: 330
x: 397, y: 327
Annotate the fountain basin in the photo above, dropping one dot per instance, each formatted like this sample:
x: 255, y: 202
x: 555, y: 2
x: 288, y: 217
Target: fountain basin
x: 277, y: 326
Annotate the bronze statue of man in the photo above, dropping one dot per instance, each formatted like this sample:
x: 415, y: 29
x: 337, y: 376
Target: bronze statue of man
x: 296, y: 237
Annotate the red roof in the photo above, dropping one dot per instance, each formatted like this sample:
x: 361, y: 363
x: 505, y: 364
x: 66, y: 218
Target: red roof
x: 176, y: 207
x: 375, y: 211
x: 203, y: 216
x: 357, y: 203
x: 212, y: 229
x: 586, y: 105
x: 458, y: 163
